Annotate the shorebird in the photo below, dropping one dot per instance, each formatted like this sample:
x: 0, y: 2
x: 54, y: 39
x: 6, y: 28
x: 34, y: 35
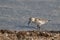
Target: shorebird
x: 37, y: 21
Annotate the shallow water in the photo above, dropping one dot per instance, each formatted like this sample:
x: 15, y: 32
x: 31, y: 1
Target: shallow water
x: 14, y: 14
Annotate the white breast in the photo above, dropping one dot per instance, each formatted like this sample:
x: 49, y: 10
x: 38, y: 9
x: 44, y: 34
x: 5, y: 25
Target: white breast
x: 33, y: 19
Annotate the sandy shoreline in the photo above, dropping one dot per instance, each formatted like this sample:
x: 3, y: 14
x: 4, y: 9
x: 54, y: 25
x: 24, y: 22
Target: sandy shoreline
x: 29, y: 35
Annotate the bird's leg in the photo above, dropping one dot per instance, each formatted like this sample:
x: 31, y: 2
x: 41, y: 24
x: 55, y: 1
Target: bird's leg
x: 38, y: 27
x: 29, y: 21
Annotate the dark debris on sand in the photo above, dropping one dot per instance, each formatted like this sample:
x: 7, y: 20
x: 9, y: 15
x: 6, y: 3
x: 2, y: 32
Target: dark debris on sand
x: 29, y: 35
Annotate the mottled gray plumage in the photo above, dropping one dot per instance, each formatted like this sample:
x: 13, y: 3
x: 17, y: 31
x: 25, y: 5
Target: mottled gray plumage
x: 37, y: 21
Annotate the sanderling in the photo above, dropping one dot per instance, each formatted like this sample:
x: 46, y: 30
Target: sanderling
x: 37, y: 21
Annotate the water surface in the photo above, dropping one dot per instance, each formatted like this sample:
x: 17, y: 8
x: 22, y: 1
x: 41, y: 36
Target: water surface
x: 14, y: 14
